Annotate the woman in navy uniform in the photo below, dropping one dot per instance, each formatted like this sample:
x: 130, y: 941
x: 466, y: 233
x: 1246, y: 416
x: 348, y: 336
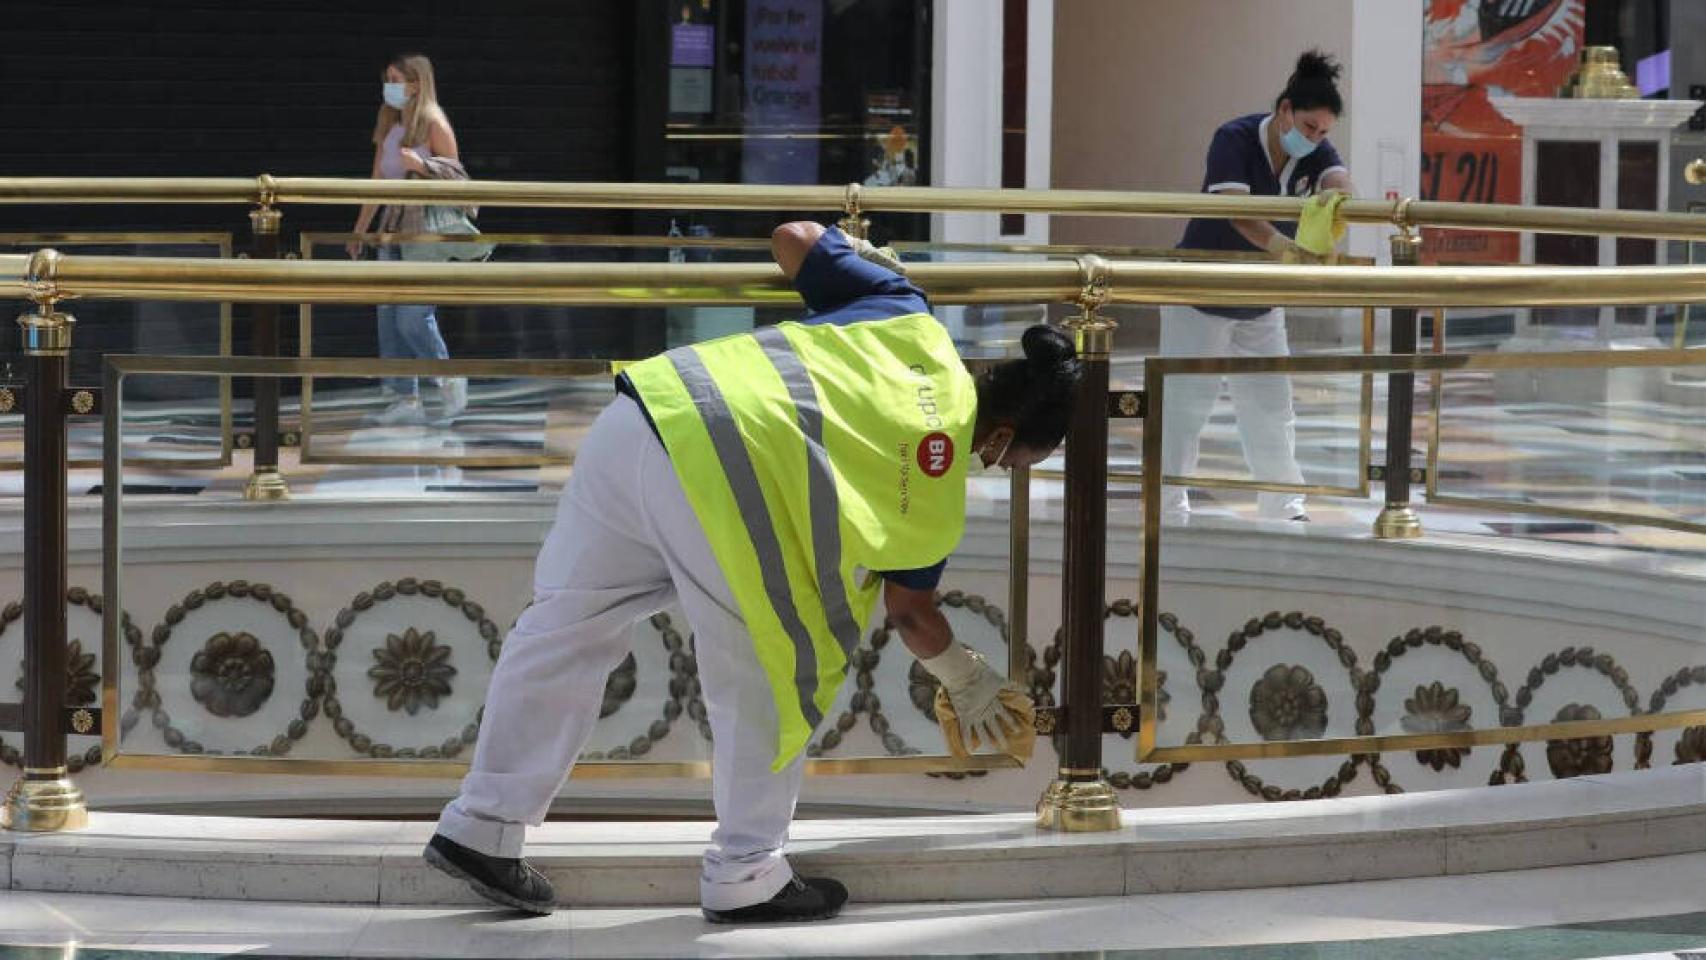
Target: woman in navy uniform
x: 1284, y: 153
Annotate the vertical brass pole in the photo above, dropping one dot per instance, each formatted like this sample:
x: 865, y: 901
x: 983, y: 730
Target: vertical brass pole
x: 1398, y: 521
x: 265, y: 481
x: 853, y: 222
x: 1080, y: 800
x: 44, y: 798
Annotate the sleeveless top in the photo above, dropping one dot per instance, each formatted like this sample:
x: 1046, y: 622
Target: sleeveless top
x: 390, y: 159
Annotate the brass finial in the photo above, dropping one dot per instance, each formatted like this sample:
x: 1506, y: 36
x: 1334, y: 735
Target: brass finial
x: 853, y: 223
x: 266, y: 189
x: 41, y: 277
x: 1096, y: 276
x: 1091, y: 332
x: 1600, y: 77
x: 1402, y: 218
x: 265, y: 217
x: 46, y: 330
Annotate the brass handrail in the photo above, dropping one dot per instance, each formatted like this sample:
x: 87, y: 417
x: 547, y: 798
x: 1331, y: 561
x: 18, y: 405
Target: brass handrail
x: 769, y: 197
x: 13, y: 267
x: 311, y: 238
x: 615, y: 284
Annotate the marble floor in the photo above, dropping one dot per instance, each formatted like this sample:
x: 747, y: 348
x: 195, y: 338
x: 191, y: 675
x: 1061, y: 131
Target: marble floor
x: 1650, y: 908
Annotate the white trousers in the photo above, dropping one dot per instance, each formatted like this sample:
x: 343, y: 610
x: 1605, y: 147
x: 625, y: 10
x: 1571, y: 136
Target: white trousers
x: 1262, y: 402
x: 625, y: 544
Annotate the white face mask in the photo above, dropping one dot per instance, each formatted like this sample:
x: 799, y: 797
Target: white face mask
x: 993, y: 468
x: 396, y: 95
x: 1296, y: 144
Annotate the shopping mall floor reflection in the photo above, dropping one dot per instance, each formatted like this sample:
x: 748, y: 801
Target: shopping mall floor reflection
x: 1645, y: 908
x: 1617, y: 455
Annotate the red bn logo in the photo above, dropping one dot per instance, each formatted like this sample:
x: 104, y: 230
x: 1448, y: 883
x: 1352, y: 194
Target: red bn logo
x: 935, y: 454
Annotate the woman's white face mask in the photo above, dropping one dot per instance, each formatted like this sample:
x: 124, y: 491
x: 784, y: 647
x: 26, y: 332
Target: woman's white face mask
x: 396, y: 95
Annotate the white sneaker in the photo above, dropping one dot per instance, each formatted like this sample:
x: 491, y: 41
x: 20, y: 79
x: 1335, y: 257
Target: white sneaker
x: 453, y: 395
x: 405, y: 412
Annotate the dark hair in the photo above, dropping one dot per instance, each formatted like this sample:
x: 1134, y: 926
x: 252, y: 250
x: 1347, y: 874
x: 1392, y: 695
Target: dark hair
x: 1315, y: 83
x: 1035, y: 393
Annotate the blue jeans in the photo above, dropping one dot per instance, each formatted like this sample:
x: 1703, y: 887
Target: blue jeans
x: 409, y: 332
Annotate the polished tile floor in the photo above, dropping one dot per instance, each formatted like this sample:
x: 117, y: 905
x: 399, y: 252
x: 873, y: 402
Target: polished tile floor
x: 1654, y: 907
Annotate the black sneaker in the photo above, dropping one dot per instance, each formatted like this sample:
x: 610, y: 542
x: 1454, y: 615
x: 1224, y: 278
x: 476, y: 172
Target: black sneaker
x: 816, y: 898
x: 506, y: 881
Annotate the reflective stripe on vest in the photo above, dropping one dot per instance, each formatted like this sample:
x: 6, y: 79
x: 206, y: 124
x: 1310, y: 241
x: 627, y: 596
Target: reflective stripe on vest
x: 820, y: 482
x: 743, y: 481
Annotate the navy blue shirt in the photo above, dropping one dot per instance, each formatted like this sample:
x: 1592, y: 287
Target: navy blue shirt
x: 840, y: 287
x: 1238, y: 160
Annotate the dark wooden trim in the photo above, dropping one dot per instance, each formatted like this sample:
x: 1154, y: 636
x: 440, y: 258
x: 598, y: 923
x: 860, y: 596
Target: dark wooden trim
x: 1085, y: 552
x: 1401, y: 393
x: 45, y: 559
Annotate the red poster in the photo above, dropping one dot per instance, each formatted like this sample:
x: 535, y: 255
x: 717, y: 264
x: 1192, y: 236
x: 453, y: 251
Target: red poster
x: 1473, y: 49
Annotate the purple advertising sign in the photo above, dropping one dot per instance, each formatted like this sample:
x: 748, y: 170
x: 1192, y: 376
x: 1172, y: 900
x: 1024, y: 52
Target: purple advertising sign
x: 692, y: 45
x: 784, y: 66
x: 1652, y: 74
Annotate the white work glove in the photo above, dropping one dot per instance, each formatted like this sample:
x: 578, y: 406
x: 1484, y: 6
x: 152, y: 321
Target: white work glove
x: 884, y: 257
x: 974, y: 688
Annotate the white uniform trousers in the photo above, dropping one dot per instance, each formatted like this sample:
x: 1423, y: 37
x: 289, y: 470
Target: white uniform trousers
x: 1266, y: 423
x: 625, y: 544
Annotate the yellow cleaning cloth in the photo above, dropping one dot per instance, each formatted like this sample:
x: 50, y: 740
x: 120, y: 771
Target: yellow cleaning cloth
x: 1018, y: 721
x: 1319, y: 230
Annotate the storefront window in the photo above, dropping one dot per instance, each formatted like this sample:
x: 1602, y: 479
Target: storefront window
x: 798, y: 92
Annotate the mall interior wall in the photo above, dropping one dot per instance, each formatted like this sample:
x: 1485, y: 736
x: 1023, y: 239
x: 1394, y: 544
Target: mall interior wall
x: 536, y: 89
x: 1141, y: 85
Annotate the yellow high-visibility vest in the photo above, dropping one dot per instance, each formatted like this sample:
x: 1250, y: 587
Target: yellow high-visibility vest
x: 814, y: 455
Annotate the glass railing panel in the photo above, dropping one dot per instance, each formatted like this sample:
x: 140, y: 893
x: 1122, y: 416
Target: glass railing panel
x: 506, y: 422
x: 361, y: 620
x: 337, y: 416
x: 1234, y: 431
x: 1514, y: 609
x: 1586, y: 453
x: 187, y: 422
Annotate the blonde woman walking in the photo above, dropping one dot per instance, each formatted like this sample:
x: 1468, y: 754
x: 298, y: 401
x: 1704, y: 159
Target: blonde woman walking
x: 412, y: 138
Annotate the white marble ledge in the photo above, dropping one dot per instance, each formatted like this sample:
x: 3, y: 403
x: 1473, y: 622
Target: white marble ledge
x: 1579, y: 114
x: 949, y: 858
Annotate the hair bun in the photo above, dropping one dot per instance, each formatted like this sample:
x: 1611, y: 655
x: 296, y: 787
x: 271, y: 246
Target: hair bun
x: 1047, y: 347
x: 1316, y: 65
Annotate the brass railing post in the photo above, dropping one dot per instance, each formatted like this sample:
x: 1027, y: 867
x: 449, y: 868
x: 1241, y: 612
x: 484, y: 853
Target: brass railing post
x: 265, y: 481
x: 44, y: 798
x: 853, y: 222
x: 1398, y: 520
x: 1080, y: 800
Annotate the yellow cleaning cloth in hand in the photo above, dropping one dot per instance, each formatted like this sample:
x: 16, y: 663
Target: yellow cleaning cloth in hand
x: 1018, y: 721
x: 1319, y: 230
